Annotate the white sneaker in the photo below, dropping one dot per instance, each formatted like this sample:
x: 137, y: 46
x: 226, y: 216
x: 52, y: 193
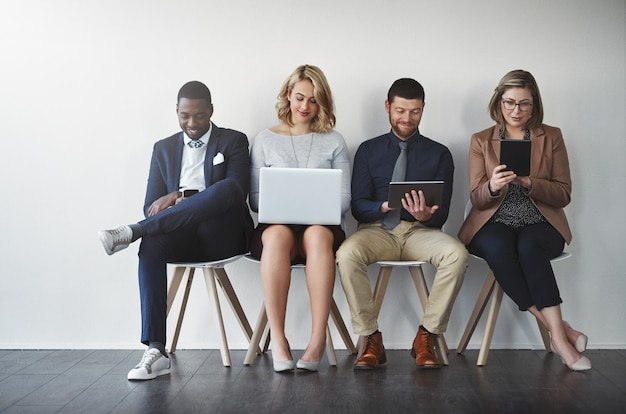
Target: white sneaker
x: 152, y: 365
x: 116, y: 239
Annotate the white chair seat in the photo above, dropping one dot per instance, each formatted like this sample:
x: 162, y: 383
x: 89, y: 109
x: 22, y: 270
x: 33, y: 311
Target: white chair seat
x: 213, y: 271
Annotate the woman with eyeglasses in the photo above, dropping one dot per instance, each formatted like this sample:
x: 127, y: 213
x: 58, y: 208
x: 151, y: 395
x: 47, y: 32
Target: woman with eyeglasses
x: 517, y: 223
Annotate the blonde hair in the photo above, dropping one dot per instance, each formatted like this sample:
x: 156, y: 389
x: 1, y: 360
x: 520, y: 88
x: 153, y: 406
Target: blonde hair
x: 517, y: 79
x: 325, y: 120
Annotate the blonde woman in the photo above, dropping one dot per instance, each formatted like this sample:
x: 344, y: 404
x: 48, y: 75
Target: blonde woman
x: 304, y: 138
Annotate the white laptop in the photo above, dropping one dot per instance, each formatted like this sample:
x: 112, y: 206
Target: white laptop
x: 299, y: 196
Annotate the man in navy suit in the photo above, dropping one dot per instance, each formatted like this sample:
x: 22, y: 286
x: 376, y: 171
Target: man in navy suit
x: 195, y: 210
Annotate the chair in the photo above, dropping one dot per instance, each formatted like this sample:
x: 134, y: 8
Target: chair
x: 262, y: 330
x: 491, y: 289
x: 213, y: 271
x: 415, y: 269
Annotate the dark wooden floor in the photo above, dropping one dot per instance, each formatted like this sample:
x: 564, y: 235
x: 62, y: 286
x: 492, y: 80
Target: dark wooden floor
x: 86, y: 381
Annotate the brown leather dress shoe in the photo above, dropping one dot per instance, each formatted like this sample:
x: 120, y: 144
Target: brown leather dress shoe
x: 372, y: 352
x: 424, y: 349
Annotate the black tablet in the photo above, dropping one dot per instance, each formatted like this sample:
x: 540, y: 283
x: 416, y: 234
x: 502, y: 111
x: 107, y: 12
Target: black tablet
x: 515, y: 154
x: 433, y: 192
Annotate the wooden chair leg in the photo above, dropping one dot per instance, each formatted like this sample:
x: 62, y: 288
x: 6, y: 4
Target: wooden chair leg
x: 231, y: 296
x: 341, y: 327
x: 257, y: 334
x: 330, y: 348
x: 420, y: 285
x: 172, y: 290
x: 492, y: 318
x: 384, y: 274
x: 212, y: 291
x: 545, y: 337
x: 268, y: 339
x: 422, y: 292
x: 183, y: 307
x: 479, y: 308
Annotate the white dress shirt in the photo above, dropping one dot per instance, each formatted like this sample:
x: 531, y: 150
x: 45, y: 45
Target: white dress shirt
x: 192, y: 165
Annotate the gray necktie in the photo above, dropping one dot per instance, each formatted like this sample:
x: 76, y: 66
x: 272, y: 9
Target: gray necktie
x: 392, y: 218
x: 195, y: 143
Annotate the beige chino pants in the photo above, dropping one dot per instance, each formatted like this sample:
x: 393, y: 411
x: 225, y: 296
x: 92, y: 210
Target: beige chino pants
x: 407, y: 241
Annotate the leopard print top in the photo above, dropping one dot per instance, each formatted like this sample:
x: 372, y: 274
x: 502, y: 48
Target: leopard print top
x: 517, y: 209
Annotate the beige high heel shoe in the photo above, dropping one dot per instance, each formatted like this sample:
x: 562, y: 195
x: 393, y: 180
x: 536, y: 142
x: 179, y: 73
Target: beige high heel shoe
x: 583, y: 363
x: 581, y: 341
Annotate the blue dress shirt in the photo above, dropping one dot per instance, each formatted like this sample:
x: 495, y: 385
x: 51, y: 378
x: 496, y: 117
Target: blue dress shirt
x: 373, y: 167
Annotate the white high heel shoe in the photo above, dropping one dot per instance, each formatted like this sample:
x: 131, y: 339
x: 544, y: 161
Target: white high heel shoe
x: 284, y: 366
x: 308, y: 365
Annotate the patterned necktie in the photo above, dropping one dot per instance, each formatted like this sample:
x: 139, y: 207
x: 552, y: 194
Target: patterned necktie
x: 392, y: 218
x: 195, y: 143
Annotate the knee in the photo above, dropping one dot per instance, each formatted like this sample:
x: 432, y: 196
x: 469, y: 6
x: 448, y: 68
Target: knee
x: 348, y: 252
x: 490, y: 250
x: 459, y: 250
x: 526, y: 244
x: 317, y: 238
x: 277, y: 236
x: 228, y: 190
x: 528, y: 250
x: 351, y: 261
x: 457, y: 254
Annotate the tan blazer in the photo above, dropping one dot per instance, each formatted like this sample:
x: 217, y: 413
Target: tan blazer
x: 549, y: 173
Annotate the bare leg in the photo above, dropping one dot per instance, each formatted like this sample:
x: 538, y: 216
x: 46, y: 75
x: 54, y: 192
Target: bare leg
x: 278, y: 243
x: 320, y: 279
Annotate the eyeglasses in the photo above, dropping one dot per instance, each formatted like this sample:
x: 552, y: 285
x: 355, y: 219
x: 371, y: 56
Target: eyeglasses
x: 510, y: 105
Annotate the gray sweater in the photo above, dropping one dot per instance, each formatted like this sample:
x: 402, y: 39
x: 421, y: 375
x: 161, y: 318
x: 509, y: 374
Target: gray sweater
x: 315, y: 150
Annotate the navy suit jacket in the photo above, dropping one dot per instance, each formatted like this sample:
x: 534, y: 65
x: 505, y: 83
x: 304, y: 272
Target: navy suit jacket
x: 165, y: 167
x: 373, y: 166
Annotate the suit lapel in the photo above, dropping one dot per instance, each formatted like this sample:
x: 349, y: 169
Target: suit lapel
x: 211, y: 151
x: 495, y: 144
x: 538, y: 138
x: 176, y: 161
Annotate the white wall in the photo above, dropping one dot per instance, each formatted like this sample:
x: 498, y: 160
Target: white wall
x: 86, y: 88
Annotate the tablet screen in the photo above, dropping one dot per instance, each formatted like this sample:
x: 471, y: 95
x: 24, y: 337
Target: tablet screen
x: 433, y: 192
x: 515, y: 153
